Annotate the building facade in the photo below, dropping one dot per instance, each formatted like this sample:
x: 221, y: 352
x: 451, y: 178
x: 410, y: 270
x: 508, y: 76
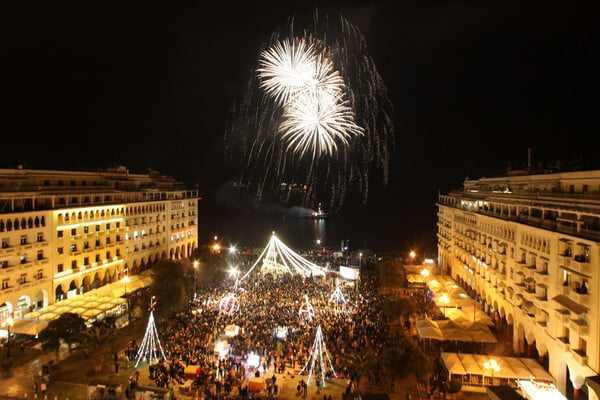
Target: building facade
x: 65, y: 233
x: 527, y: 247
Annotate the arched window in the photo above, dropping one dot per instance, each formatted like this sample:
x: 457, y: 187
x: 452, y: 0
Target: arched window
x: 30, y: 223
x: 9, y: 225
x: 16, y: 224
x: 1, y: 225
x: 36, y: 222
x: 43, y: 221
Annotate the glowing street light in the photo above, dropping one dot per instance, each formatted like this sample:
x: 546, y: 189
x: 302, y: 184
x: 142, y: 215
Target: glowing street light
x: 425, y: 273
x: 125, y: 281
x: 232, y: 250
x: 444, y: 300
x: 412, y: 255
x: 318, y: 242
x: 216, y: 247
x: 493, y: 366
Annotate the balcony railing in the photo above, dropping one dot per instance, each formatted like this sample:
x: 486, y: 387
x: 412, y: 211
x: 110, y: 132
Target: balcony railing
x: 579, y: 356
x: 580, y: 326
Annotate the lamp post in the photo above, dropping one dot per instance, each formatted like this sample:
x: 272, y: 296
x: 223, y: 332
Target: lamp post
x: 196, y: 263
x: 444, y: 300
x: 360, y: 260
x: 8, y: 323
x: 493, y: 366
x: 125, y: 281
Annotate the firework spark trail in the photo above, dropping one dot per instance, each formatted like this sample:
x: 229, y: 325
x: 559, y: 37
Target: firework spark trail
x: 259, y: 142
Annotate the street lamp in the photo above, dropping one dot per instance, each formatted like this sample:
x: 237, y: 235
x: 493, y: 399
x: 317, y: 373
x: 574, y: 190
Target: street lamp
x: 412, y: 255
x: 8, y: 323
x: 444, y: 300
x: 125, y: 281
x: 425, y: 273
x: 493, y: 366
x: 196, y: 263
x: 360, y: 259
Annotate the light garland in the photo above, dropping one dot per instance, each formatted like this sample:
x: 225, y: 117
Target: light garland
x: 150, y: 343
x: 316, y: 356
x: 306, y: 312
x: 229, y: 304
x: 337, y: 296
x: 279, y: 259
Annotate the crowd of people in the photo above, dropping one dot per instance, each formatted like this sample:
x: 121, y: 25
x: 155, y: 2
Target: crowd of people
x: 274, y: 332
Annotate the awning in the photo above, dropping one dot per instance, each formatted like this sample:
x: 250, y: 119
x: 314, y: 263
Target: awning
x: 566, y: 302
x: 24, y: 327
x: 453, y: 364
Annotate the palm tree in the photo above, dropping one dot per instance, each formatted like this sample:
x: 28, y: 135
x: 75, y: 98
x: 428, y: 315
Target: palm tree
x: 97, y: 341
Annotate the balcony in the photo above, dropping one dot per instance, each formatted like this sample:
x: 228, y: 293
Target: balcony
x: 565, y: 260
x: 563, y: 343
x: 562, y: 315
x: 580, y: 326
x: 581, y: 265
x: 541, y: 277
x: 581, y: 298
x: 529, y: 271
x: 579, y: 356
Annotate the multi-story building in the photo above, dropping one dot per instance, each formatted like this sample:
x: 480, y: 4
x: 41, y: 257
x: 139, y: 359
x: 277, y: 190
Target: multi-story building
x: 527, y: 247
x: 65, y: 233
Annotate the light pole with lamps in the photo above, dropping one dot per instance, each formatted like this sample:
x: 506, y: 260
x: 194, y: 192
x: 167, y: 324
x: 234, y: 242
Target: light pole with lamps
x: 125, y: 281
x: 493, y: 366
x: 444, y: 300
x: 8, y: 323
x: 196, y: 263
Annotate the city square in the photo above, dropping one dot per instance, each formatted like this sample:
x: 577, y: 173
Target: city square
x: 381, y: 200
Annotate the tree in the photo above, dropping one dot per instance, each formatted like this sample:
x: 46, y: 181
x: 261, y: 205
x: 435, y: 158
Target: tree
x: 169, y: 285
x: 67, y: 328
x: 402, y: 305
x: 97, y: 341
x: 363, y: 363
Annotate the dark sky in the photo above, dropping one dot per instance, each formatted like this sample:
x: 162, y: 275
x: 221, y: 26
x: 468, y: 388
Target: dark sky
x: 474, y: 85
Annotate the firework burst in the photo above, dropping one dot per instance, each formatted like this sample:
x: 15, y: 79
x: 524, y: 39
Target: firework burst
x: 316, y: 112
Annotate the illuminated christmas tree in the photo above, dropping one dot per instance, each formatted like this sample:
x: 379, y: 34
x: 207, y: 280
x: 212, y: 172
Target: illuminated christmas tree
x: 319, y: 356
x: 148, y: 351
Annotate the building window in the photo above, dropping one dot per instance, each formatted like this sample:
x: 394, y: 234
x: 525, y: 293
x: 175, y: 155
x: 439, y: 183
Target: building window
x: 86, y: 261
x: 108, y: 255
x: 40, y: 274
x: 59, y: 250
x: 107, y: 226
x: 4, y: 264
x: 86, y: 229
x: 5, y: 243
x: 40, y: 254
x: 97, y: 228
x: 23, y: 239
x: 108, y: 240
x: 118, y: 252
x: 59, y: 268
x: 74, y: 264
x: 59, y: 234
x: 97, y: 242
x: 97, y: 257
x: 23, y: 279
x: 126, y: 236
x: 73, y: 247
x: 5, y: 283
x: 40, y: 237
x: 73, y: 231
x: 118, y: 224
x: 86, y: 245
x: 118, y: 238
x: 23, y: 258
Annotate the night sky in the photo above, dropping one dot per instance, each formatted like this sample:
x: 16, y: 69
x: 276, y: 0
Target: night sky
x: 148, y: 85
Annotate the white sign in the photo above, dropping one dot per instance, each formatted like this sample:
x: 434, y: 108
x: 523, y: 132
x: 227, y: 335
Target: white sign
x: 351, y: 274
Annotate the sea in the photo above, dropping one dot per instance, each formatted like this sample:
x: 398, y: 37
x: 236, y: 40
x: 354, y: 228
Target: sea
x: 358, y: 229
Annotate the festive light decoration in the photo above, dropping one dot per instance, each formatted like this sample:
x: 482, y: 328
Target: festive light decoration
x: 278, y: 259
x: 318, y: 356
x: 337, y: 296
x: 229, y: 304
x: 151, y: 342
x: 306, y: 312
